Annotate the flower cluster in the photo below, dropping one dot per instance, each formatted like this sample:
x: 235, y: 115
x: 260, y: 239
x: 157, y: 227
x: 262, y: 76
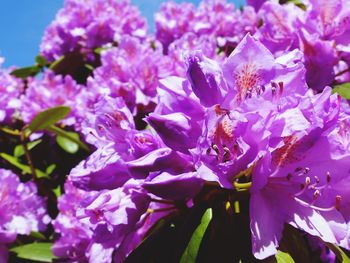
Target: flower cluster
x: 10, y: 90
x: 22, y: 210
x: 84, y: 25
x: 221, y: 109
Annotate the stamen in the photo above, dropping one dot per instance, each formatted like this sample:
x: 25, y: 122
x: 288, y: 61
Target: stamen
x: 307, y: 170
x: 298, y: 169
x: 304, y: 187
x: 316, y: 194
x: 321, y: 209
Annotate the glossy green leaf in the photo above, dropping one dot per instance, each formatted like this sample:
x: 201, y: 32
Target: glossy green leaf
x: 48, y: 117
x: 283, y: 257
x: 26, y: 72
x: 89, y: 67
x: 57, y: 191
x: 19, y: 149
x: 50, y: 169
x: 24, y: 168
x: 41, y: 61
x: 68, y: 135
x: 68, y: 145
x: 40, y: 252
x: 10, y: 131
x: 343, y: 90
x: 191, y: 251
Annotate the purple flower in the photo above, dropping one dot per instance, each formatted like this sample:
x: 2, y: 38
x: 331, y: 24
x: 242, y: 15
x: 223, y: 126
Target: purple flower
x: 329, y: 19
x: 52, y: 91
x: 297, y: 181
x: 173, y: 21
x: 213, y: 18
x: 114, y: 214
x: 279, y: 27
x: 256, y: 3
x: 131, y: 71
x: 75, y: 237
x: 10, y: 91
x: 176, y: 130
x: 21, y: 209
x: 320, y: 59
x: 207, y: 44
x: 85, y: 25
x: 206, y: 79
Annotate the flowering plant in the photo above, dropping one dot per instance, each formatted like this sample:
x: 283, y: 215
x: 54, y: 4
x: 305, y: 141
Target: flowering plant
x: 222, y: 136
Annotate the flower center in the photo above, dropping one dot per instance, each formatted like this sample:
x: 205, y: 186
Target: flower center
x: 224, y: 144
x: 247, y: 80
x: 286, y: 153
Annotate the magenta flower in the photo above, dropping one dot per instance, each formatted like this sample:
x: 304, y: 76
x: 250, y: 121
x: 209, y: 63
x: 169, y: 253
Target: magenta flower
x: 213, y: 18
x: 131, y: 71
x: 21, y: 210
x: 279, y: 27
x: 52, y: 91
x: 305, y: 171
x: 85, y: 25
x: 10, y: 91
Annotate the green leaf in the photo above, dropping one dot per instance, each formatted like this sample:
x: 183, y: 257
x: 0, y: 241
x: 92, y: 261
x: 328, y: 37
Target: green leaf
x: 69, y: 136
x: 99, y: 50
x: 10, y: 131
x: 343, y: 90
x: 26, y: 72
x: 89, y: 67
x: 191, y: 251
x: 338, y: 252
x: 36, y: 251
x: 37, y: 235
x: 48, y: 117
x: 68, y: 145
x: 283, y: 257
x: 19, y: 149
x: 41, y: 61
x: 50, y: 169
x: 56, y: 63
x: 24, y: 168
x: 57, y: 191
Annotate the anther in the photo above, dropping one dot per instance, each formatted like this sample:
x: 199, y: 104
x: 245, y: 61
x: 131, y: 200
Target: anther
x: 337, y: 202
x: 208, y: 151
x: 307, y: 180
x: 215, y: 148
x: 281, y: 85
x: 328, y: 177
x: 298, y: 169
x: 317, y: 179
x: 227, y: 154
x: 316, y: 194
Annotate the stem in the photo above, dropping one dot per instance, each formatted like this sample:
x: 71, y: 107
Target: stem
x: 342, y: 72
x: 27, y: 154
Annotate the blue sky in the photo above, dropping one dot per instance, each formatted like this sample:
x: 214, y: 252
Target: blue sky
x: 22, y: 23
